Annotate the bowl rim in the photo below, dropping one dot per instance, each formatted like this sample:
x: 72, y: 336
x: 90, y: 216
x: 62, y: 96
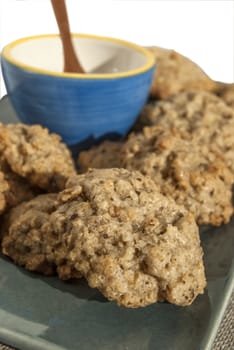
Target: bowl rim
x: 149, y: 64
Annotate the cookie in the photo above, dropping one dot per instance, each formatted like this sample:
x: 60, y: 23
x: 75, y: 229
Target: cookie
x: 176, y: 73
x: 199, y: 113
x: 185, y: 169
x: 115, y: 228
x: 35, y: 154
x: 24, y: 234
x: 29, y: 240
x: 128, y: 240
x: 13, y: 188
x: 105, y: 155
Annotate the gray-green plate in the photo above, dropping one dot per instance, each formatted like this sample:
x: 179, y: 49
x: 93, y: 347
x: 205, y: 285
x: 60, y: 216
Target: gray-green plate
x: 38, y: 313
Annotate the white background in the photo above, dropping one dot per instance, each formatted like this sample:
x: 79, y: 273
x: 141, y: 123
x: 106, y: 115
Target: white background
x: 200, y: 29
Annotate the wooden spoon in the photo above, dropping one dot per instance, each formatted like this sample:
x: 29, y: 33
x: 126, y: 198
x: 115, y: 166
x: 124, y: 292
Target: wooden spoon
x: 71, y: 62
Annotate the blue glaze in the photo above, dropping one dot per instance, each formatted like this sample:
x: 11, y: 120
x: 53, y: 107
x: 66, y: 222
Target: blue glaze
x: 77, y: 109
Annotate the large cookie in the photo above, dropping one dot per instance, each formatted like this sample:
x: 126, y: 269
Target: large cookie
x: 117, y: 229
x: 186, y: 169
x: 199, y: 113
x: 131, y: 242
x: 105, y: 155
x: 35, y: 154
x: 176, y: 73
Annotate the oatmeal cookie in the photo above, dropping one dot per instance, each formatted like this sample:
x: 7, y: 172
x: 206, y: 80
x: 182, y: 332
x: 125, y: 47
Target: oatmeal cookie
x: 176, y: 73
x: 35, y: 154
x: 13, y: 188
x: 186, y: 169
x: 105, y: 155
x: 116, y: 229
x: 24, y: 234
x: 131, y: 242
x: 199, y: 113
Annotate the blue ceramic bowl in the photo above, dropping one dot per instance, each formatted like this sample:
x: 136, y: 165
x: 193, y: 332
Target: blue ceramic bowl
x: 105, y: 100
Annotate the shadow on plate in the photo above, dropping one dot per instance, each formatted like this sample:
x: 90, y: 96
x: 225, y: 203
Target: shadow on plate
x: 218, y: 246
x: 77, y: 287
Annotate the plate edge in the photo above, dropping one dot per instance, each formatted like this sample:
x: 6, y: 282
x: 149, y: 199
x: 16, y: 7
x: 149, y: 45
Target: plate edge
x: 213, y: 327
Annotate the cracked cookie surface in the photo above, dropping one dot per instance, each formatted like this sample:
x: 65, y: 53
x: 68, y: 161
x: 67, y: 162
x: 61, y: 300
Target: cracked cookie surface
x: 201, y: 114
x: 186, y: 169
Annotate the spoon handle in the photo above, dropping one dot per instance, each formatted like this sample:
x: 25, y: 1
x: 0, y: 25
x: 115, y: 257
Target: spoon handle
x: 71, y: 62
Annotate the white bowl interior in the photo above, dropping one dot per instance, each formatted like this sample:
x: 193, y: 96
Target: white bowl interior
x: 95, y: 55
